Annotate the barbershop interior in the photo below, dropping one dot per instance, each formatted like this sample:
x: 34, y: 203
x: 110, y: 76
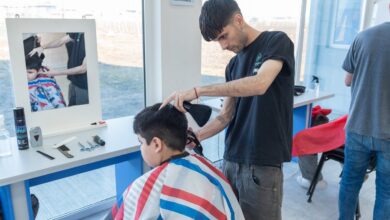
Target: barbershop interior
x: 195, y: 109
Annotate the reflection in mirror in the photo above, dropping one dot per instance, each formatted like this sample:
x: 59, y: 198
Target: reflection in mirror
x: 56, y: 70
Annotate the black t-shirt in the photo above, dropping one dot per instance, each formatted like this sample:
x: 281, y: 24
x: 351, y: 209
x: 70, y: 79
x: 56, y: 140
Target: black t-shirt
x: 260, y: 132
x: 76, y: 54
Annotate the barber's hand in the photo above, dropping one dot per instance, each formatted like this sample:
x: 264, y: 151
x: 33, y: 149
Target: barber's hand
x: 190, y: 143
x: 178, y: 98
x: 38, y: 50
x: 49, y: 73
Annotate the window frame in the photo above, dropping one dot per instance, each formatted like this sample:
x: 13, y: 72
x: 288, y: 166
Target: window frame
x: 336, y: 10
x: 300, y: 41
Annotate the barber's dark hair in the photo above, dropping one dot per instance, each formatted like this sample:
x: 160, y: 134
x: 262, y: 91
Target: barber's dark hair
x: 34, y: 61
x: 168, y: 124
x: 215, y: 15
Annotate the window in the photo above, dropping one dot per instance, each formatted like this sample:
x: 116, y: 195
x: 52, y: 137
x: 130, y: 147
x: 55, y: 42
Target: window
x: 281, y: 15
x: 346, y: 22
x: 333, y: 26
x: 120, y: 57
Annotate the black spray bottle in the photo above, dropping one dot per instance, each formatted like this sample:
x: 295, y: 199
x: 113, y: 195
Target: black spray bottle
x: 20, y: 128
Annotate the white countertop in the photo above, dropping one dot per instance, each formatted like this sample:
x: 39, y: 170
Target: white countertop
x: 309, y: 97
x: 306, y: 98
x: 27, y: 164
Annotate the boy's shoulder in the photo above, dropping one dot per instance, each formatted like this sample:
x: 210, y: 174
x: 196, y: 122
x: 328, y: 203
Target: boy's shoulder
x: 190, y: 164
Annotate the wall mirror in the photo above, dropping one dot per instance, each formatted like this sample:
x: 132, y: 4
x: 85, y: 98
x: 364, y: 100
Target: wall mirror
x: 55, y: 72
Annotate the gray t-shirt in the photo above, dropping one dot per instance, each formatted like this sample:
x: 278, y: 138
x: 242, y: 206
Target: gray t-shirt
x: 368, y: 60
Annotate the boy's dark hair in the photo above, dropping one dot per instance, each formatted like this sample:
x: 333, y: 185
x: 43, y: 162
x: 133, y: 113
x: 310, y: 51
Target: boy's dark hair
x: 168, y: 124
x: 215, y: 15
x: 34, y: 62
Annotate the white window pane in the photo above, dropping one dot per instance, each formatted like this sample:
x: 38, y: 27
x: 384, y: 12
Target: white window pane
x: 279, y: 15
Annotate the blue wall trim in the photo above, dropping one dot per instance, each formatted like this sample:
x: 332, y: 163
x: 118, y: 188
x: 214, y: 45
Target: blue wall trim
x: 299, y: 118
x: 6, y: 202
x: 299, y: 121
x: 28, y: 200
x: 85, y: 168
x: 124, y: 177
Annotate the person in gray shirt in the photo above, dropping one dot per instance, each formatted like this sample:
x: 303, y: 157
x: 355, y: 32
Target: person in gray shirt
x: 368, y: 127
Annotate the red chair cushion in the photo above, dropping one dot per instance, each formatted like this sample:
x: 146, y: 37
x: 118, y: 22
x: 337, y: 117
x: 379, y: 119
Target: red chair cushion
x: 316, y: 110
x: 320, y: 138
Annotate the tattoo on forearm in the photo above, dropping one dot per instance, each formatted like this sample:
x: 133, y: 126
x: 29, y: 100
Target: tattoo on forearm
x: 221, y: 119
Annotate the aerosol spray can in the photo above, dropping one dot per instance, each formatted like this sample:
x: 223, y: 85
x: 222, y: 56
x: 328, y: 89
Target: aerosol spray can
x: 20, y: 128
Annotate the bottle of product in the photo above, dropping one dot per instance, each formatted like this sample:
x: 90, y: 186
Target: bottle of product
x: 316, y: 85
x: 5, y: 142
x: 20, y: 128
x: 317, y: 89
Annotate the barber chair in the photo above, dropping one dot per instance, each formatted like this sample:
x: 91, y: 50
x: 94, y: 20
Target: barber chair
x: 329, y: 140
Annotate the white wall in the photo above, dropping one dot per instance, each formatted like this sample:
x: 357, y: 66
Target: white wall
x: 375, y: 12
x: 172, y: 48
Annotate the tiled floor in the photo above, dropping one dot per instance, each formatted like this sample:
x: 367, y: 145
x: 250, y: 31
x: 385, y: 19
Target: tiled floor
x: 66, y: 195
x: 324, y: 205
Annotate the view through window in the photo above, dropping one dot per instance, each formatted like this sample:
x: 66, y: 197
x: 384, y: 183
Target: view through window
x: 277, y: 15
x: 120, y: 57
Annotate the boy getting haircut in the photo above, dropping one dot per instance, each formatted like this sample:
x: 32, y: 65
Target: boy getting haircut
x: 168, y: 124
x: 180, y: 186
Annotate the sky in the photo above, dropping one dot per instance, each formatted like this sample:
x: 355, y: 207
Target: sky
x: 250, y: 8
x: 78, y: 4
x: 270, y: 8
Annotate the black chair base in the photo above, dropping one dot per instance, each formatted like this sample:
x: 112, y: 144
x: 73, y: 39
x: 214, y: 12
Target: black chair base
x: 337, y: 155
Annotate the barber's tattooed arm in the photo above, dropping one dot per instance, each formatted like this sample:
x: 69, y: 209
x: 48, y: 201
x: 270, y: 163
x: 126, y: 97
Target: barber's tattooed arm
x: 221, y: 119
x: 247, y: 86
x: 220, y: 122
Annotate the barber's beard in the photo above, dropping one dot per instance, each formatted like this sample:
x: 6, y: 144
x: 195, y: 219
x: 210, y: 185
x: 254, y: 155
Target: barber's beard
x: 237, y: 48
x: 242, y: 41
x: 234, y: 49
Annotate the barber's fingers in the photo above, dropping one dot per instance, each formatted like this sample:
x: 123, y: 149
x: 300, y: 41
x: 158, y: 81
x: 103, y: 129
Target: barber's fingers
x: 177, y: 99
x: 179, y: 102
x: 168, y: 100
x: 37, y: 50
x: 32, y: 53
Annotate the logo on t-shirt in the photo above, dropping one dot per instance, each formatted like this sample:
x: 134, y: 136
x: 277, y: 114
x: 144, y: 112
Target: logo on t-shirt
x: 258, y: 63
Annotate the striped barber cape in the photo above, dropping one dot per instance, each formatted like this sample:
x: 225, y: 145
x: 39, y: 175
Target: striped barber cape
x: 184, y: 188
